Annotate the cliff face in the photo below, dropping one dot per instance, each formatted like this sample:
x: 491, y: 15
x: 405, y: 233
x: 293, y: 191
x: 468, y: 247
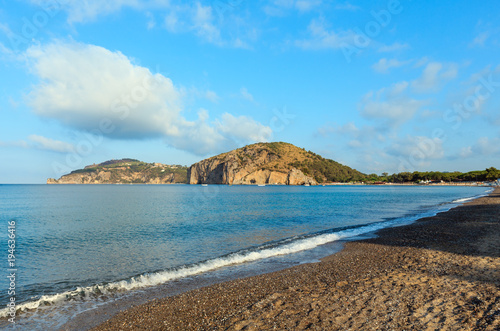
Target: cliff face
x: 124, y: 172
x: 254, y: 164
x: 231, y: 172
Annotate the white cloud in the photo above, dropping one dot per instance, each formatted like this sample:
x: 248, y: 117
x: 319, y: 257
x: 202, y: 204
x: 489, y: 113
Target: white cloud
x: 480, y: 39
x: 19, y: 143
x: 273, y: 11
x: 5, y: 29
x: 475, y: 98
x: 347, y: 6
x: 151, y: 21
x: 202, y: 138
x: 421, y: 62
x: 83, y: 85
x: 393, y: 48
x: 307, y: 5
x: 363, y: 145
x: 172, y: 22
x: 206, y: 21
x: 82, y: 11
x: 245, y: 94
x: 365, y: 134
x: 383, y: 65
x: 214, y: 24
x: 41, y: 142
x: 434, y: 76
x: 321, y: 38
x: 242, y: 128
x: 5, y: 50
x: 346, y: 129
x: 212, y: 96
x: 484, y: 146
x: 194, y: 93
x: 280, y: 7
x: 417, y: 151
x: 476, y: 76
x: 13, y: 103
x: 391, y: 105
x: 238, y: 43
x: 376, y: 148
x: 496, y: 121
x: 193, y: 17
x: 466, y: 152
x: 355, y: 144
x: 204, y: 24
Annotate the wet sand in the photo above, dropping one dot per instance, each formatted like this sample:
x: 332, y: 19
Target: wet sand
x: 440, y: 273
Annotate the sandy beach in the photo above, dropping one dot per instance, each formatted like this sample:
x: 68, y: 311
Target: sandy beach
x: 440, y: 273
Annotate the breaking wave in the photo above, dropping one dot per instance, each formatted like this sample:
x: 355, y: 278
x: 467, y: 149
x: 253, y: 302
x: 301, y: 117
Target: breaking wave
x: 462, y: 200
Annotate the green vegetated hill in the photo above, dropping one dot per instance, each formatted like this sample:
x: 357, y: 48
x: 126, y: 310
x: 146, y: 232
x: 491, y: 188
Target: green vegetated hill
x: 270, y: 163
x: 311, y: 164
x: 125, y: 171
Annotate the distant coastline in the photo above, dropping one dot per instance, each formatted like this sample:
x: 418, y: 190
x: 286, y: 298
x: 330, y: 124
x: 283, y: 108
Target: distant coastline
x: 276, y: 163
x: 417, y: 184
x: 125, y: 171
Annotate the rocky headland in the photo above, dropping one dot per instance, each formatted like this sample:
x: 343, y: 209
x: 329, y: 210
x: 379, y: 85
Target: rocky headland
x: 275, y: 163
x: 125, y: 171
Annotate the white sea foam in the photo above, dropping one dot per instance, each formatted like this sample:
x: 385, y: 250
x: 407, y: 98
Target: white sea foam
x: 462, y: 200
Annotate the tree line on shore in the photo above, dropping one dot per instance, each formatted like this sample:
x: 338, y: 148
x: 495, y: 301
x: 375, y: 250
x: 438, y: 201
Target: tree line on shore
x: 489, y: 174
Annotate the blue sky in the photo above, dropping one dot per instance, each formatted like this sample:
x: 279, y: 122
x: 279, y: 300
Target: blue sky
x: 381, y: 86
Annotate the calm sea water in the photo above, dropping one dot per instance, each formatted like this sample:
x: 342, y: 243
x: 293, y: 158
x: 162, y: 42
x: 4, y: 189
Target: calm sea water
x: 77, y: 244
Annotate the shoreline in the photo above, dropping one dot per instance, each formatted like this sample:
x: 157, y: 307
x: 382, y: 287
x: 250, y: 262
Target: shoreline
x: 439, y: 272
x: 473, y: 184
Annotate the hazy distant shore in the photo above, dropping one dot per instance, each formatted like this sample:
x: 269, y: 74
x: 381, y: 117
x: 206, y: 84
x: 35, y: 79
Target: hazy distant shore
x: 441, y: 272
x: 416, y: 184
x: 323, y: 184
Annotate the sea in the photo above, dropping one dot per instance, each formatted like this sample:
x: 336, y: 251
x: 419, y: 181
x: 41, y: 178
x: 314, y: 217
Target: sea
x: 80, y: 253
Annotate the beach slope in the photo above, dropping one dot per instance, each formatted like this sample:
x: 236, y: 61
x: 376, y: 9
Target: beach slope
x: 440, y: 273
